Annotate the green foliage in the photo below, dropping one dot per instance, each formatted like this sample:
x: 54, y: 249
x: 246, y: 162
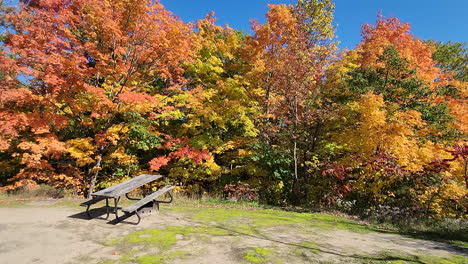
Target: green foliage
x: 271, y: 172
x: 396, y: 81
x: 452, y: 57
x: 316, y: 17
x: 274, y: 162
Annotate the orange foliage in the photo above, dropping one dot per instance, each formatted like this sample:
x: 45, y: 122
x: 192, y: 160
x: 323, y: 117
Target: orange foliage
x: 392, y: 32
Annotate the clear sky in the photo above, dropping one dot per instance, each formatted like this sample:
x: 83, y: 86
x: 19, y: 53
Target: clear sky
x: 430, y: 19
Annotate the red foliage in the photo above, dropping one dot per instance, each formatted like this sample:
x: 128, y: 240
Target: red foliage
x: 182, y: 152
x: 340, y: 186
x: 191, y: 153
x: 386, y: 164
x: 240, y: 191
x: 337, y: 170
x: 157, y: 163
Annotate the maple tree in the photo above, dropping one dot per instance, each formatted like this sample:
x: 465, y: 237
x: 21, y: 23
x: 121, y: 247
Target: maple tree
x: 396, y: 104
x: 289, y: 55
x: 94, y: 87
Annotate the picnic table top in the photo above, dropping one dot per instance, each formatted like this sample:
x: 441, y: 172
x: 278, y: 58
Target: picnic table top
x: 126, y: 186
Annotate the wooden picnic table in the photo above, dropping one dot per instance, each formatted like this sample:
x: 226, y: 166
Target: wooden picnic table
x: 118, y: 190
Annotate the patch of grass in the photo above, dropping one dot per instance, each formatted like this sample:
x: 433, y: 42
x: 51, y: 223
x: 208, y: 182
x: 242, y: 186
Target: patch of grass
x: 458, y: 243
x: 306, y: 251
x: 246, y: 229
x: 399, y: 258
x: 310, y: 246
x: 161, y: 259
x: 453, y: 231
x: 209, y: 201
x: 453, y: 259
x: 258, y: 255
x: 177, y: 254
x: 162, y: 238
x: 221, y: 201
x: 150, y: 259
x: 270, y: 217
x: 128, y: 256
x: 165, y: 238
x: 223, y: 211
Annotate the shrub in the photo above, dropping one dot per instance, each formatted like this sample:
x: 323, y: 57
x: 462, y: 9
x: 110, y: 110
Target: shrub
x: 240, y: 192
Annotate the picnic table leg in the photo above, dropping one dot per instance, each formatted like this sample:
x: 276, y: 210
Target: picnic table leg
x: 116, y: 201
x: 87, y: 211
x: 139, y: 218
x: 157, y: 202
x: 130, y: 198
x: 107, y: 209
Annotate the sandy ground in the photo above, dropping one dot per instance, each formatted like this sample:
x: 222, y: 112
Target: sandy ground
x: 42, y: 234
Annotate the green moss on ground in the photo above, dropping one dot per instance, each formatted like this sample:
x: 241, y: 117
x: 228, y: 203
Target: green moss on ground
x: 150, y: 259
x: 162, y: 258
x: 258, y: 255
x: 306, y: 251
x: 400, y: 258
x: 162, y: 238
x: 269, y: 217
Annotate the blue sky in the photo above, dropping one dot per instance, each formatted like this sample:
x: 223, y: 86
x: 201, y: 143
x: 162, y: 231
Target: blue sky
x: 430, y: 19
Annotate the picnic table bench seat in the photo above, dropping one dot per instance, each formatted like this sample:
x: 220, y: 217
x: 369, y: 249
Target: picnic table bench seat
x: 149, y: 202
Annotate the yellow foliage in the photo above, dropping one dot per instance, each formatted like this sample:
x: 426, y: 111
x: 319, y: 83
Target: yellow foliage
x: 82, y: 150
x: 435, y: 199
x: 376, y: 129
x: 188, y: 170
x: 115, y: 132
x: 122, y: 157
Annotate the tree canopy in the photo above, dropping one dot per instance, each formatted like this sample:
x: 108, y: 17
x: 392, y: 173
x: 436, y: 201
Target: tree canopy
x: 93, y: 92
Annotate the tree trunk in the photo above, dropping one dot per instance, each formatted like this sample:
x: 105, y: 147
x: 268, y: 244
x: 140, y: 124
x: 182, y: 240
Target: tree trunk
x: 267, y: 111
x: 296, y: 121
x: 95, y: 172
x: 295, y: 157
x: 305, y: 171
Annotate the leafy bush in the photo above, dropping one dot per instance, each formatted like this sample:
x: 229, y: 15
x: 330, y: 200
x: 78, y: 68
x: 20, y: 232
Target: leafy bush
x: 240, y: 192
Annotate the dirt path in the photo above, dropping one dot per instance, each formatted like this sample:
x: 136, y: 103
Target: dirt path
x: 42, y: 234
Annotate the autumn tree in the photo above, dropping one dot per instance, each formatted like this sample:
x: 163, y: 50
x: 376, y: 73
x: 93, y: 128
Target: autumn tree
x: 396, y: 116
x: 222, y: 110
x: 289, y: 56
x: 96, y: 79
